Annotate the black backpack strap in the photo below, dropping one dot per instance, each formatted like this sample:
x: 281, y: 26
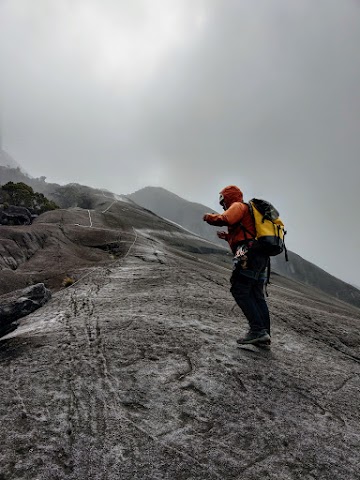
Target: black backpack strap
x: 245, y: 230
x: 267, y: 281
x: 285, y: 249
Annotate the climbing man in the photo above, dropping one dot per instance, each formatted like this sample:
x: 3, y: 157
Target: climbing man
x: 248, y: 277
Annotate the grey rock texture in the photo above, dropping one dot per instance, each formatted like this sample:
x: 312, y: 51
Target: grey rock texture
x: 134, y: 371
x: 18, y: 245
x: 55, y: 246
x: 20, y: 303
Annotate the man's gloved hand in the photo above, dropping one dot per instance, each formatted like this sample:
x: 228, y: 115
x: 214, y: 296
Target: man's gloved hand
x: 211, y: 218
x: 221, y: 234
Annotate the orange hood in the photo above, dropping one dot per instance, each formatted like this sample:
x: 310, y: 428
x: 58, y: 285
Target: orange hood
x: 231, y: 194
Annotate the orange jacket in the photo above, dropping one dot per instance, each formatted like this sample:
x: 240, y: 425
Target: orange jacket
x: 236, y: 211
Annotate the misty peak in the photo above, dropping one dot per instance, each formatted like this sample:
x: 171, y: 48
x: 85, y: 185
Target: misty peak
x: 7, y: 160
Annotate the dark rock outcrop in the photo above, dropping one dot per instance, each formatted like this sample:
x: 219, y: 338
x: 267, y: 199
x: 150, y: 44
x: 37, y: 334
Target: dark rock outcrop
x: 15, y: 216
x: 20, y: 304
x: 18, y: 246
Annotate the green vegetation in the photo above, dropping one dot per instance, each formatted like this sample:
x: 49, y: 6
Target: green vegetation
x: 22, y: 195
x: 67, y: 196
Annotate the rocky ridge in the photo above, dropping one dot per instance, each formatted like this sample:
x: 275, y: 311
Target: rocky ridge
x: 187, y: 215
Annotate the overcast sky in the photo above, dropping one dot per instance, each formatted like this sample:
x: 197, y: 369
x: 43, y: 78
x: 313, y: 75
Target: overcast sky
x: 192, y: 95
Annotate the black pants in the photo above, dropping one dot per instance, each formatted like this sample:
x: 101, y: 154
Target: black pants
x: 249, y: 295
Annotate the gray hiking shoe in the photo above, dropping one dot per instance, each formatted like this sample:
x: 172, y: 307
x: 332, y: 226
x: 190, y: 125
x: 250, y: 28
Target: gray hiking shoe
x: 266, y: 344
x: 254, y: 337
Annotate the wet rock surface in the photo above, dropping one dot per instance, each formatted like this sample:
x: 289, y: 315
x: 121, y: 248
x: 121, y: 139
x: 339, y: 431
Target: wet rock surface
x: 134, y: 373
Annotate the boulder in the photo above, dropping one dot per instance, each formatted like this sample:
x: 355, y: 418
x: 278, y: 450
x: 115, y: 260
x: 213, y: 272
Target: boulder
x: 24, y: 302
x: 15, y: 216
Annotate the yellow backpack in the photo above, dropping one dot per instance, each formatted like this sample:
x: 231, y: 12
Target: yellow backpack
x: 270, y: 230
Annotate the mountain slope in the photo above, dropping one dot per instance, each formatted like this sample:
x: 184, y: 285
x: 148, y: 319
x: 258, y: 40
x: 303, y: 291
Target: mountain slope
x: 189, y: 215
x: 168, y: 205
x: 134, y: 371
x: 301, y: 270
